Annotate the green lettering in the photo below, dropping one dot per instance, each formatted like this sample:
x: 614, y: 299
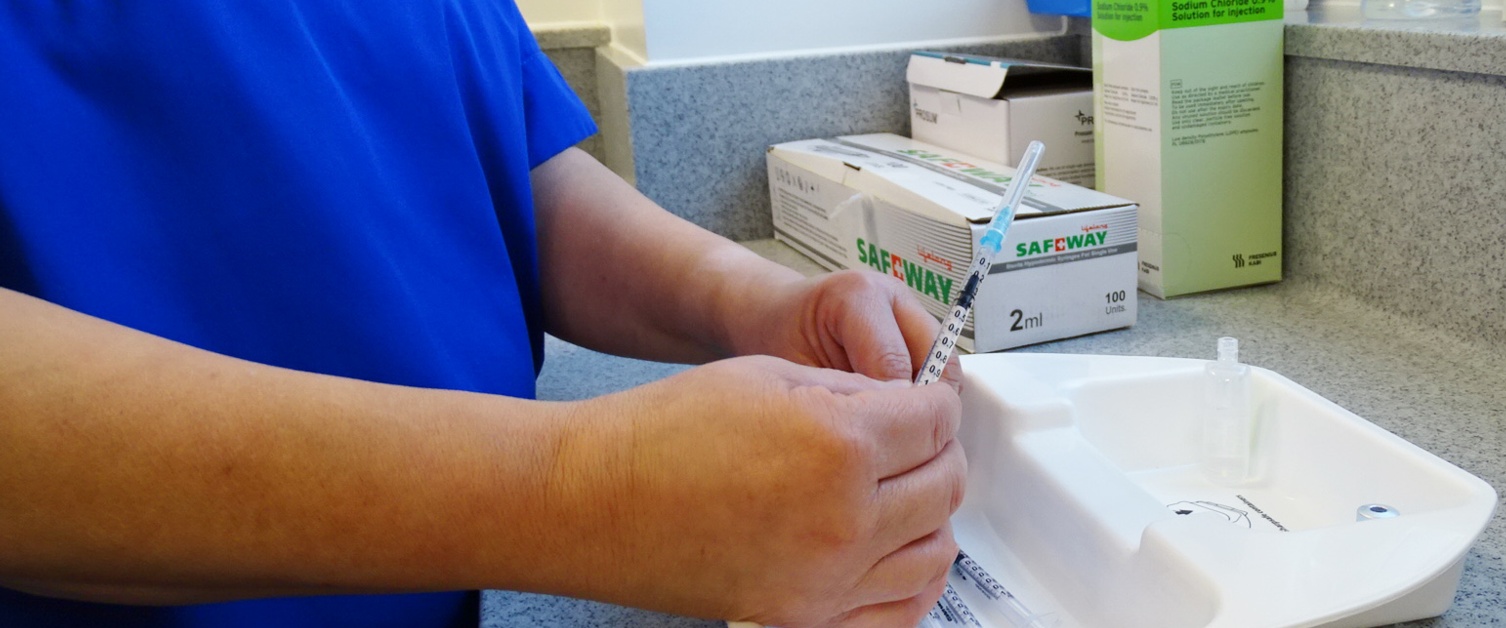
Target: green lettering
x: 946, y: 288
x: 987, y: 175
x: 862, y: 252
x: 913, y: 274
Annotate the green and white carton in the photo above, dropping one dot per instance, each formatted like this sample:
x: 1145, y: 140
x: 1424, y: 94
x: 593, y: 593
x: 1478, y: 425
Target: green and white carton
x: 916, y: 211
x: 1187, y: 99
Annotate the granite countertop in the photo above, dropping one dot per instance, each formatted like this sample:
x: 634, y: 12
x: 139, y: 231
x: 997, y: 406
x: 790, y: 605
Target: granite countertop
x: 1470, y: 44
x: 1438, y: 391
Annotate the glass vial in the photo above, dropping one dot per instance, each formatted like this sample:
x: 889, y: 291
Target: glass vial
x: 1228, y: 424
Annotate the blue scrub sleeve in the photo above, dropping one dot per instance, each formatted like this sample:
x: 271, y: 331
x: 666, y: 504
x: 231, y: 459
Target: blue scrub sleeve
x: 556, y: 118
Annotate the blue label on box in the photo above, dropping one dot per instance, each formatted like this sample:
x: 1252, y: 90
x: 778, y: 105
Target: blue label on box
x: 1081, y: 8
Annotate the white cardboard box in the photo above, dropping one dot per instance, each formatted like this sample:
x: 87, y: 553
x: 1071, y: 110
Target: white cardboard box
x: 1190, y: 126
x: 916, y: 211
x: 992, y: 108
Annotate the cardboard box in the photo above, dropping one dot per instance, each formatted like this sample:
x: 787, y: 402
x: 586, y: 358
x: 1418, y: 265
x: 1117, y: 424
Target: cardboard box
x: 916, y: 211
x: 992, y: 108
x: 1188, y: 105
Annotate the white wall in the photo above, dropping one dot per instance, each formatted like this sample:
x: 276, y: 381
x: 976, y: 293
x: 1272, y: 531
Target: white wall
x: 681, y: 30
x: 543, y: 12
x: 670, y: 31
x: 626, y: 19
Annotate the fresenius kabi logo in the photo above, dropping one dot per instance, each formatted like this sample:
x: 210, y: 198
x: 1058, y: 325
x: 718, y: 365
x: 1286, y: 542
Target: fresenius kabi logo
x: 1240, y: 261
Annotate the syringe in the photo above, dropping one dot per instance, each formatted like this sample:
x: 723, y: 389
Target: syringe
x: 950, y: 610
x: 988, y: 246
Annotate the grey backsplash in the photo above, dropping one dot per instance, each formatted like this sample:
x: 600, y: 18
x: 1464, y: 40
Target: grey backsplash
x: 699, y: 131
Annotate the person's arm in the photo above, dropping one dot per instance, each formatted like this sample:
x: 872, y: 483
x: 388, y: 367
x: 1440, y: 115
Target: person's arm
x: 137, y: 470
x: 624, y: 276
x: 133, y: 469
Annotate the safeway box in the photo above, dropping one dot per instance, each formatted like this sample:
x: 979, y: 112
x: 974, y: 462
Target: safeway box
x: 916, y: 211
x: 993, y: 108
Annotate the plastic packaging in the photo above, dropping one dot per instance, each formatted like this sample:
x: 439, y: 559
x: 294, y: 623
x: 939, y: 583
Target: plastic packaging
x: 1229, y: 423
x: 1419, y: 9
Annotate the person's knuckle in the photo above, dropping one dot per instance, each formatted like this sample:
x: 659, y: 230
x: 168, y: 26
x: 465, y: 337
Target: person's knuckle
x: 894, y: 361
x: 957, y: 481
x: 942, y: 565
x: 925, y: 597
x: 941, y: 432
x: 946, y: 419
x: 928, y: 572
x: 845, y: 279
x: 763, y: 363
x: 949, y: 550
x: 858, y: 276
x: 953, y: 410
x: 866, y: 280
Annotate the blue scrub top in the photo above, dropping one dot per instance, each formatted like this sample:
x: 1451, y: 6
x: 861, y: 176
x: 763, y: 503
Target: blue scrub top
x: 336, y: 187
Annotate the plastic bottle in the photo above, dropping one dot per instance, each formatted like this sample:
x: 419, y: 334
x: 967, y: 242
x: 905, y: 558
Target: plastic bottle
x: 1419, y: 9
x: 1229, y: 423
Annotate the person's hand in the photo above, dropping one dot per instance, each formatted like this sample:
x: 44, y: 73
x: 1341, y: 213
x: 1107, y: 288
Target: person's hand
x: 853, y: 320
x: 760, y: 490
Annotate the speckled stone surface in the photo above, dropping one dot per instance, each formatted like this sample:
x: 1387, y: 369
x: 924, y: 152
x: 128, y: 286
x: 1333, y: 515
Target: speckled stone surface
x: 1476, y: 44
x: 578, y: 66
x: 699, y: 131
x: 572, y: 35
x: 1416, y: 380
x: 1082, y: 28
x: 1394, y: 189
x: 506, y: 609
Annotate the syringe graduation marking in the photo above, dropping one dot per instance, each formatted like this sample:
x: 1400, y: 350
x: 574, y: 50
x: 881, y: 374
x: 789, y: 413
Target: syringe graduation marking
x: 986, y: 584
x: 950, y: 610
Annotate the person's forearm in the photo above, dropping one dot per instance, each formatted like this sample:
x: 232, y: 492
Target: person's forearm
x: 139, y: 470
x: 675, y: 290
